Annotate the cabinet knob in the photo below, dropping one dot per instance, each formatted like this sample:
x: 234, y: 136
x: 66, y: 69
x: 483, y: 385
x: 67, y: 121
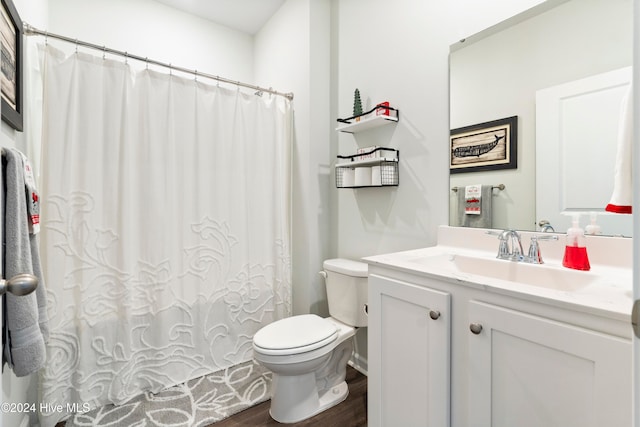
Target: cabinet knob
x: 434, y: 314
x: 476, y: 328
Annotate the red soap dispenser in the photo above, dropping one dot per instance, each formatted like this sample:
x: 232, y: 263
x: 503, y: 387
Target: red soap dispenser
x: 575, y: 251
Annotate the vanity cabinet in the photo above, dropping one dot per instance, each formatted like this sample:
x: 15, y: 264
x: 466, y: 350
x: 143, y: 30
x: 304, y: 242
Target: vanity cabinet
x: 529, y: 371
x: 490, y: 359
x: 409, y: 328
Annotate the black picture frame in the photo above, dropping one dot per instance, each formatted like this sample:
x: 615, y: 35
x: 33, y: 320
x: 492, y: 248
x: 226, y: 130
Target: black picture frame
x: 11, y: 75
x: 485, y: 146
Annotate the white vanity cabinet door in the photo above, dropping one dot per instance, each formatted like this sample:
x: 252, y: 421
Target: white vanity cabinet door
x: 526, y: 371
x: 409, y: 354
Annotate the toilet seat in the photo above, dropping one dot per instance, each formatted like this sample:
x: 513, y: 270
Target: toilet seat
x: 295, y: 335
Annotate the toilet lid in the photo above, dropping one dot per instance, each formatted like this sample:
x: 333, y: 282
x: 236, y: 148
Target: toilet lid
x: 295, y: 334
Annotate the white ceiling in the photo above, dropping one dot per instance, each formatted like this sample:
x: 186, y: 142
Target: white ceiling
x: 244, y: 15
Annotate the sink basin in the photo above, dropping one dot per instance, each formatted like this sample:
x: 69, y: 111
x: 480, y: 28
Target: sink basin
x: 540, y: 275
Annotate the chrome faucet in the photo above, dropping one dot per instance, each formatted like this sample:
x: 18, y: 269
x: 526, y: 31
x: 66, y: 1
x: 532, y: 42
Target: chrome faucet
x: 510, y: 247
x: 545, y: 226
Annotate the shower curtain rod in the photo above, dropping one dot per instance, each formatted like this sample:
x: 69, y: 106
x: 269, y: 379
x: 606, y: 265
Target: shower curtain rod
x: 32, y: 31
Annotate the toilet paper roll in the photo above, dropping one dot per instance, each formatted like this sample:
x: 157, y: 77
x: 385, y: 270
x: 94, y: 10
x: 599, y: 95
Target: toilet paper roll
x: 376, y: 177
x: 363, y: 177
x: 348, y: 177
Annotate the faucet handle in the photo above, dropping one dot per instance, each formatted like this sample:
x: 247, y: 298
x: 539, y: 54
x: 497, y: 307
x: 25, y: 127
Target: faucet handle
x: 495, y: 233
x: 545, y: 236
x: 535, y: 256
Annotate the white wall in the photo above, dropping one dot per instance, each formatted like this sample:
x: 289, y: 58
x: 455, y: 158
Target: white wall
x: 150, y: 29
x: 394, y: 51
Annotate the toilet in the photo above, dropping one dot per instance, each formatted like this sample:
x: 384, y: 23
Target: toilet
x: 308, y: 354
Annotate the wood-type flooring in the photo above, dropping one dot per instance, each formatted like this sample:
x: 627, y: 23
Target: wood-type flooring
x: 350, y: 413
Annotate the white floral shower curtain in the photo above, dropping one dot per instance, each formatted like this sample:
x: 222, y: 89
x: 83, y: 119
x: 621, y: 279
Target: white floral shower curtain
x: 165, y: 237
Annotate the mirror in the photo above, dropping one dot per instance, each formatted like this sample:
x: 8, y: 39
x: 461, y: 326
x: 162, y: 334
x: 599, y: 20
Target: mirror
x: 498, y: 73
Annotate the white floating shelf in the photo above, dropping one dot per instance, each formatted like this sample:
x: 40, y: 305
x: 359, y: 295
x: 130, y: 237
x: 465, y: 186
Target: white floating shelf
x: 366, y: 162
x: 381, y: 172
x: 367, y: 123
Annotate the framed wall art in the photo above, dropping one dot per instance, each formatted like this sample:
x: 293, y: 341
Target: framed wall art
x: 485, y: 146
x: 11, y: 75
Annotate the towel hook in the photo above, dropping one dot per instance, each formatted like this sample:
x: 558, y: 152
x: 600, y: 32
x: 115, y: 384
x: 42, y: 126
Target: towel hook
x: 19, y: 285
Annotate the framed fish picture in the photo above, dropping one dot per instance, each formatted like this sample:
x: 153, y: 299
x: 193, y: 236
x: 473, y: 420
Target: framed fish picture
x: 485, y: 146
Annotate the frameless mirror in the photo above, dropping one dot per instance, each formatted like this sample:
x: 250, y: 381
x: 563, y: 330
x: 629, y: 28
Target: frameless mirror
x: 510, y: 70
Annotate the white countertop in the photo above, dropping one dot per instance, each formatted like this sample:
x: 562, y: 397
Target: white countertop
x: 608, y: 292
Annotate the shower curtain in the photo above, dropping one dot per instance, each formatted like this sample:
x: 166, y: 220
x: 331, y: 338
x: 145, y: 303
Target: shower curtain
x: 165, y: 227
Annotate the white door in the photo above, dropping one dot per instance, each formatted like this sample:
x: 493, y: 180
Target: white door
x: 576, y: 145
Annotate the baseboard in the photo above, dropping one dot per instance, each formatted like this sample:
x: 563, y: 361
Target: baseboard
x: 359, y: 363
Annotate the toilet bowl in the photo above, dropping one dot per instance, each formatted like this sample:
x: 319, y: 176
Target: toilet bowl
x: 308, y: 354
x: 308, y: 376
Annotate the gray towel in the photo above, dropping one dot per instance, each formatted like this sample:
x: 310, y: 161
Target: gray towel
x: 484, y: 220
x: 24, y: 347
x: 41, y: 290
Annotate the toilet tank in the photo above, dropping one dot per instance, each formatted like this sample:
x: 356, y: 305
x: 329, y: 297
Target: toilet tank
x: 346, y: 282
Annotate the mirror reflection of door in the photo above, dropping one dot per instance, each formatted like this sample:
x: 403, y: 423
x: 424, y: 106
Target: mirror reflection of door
x: 497, y: 73
x: 576, y: 144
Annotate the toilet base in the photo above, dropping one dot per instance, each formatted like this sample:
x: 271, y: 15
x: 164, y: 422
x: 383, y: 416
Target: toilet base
x: 294, y: 412
x: 304, y: 385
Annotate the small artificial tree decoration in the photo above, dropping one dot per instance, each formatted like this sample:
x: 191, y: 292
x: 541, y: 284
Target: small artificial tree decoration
x: 357, y: 105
